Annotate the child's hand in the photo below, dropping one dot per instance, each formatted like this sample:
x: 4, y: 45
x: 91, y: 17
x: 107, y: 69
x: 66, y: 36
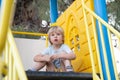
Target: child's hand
x: 47, y: 58
x: 55, y: 56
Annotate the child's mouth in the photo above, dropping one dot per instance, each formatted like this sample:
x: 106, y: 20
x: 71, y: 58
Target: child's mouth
x: 56, y: 40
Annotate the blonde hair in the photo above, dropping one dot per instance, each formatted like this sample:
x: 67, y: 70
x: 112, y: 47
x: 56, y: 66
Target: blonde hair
x: 55, y: 29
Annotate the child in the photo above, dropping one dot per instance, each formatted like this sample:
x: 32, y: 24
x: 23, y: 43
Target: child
x: 57, y: 56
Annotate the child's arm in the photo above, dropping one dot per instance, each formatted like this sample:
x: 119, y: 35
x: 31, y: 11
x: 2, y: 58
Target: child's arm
x: 64, y: 55
x: 41, y: 57
x: 69, y: 56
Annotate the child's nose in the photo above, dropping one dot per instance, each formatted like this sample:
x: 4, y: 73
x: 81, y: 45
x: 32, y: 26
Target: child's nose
x: 55, y: 35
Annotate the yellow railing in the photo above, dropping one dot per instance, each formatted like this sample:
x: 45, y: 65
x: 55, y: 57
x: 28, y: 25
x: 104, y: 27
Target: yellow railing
x: 12, y: 59
x: 32, y: 34
x: 5, y: 16
x: 11, y: 67
x: 95, y: 76
x: 109, y: 29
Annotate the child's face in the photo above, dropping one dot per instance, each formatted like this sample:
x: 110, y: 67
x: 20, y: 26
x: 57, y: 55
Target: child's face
x: 56, y: 38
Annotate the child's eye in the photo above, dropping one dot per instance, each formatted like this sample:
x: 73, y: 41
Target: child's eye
x: 58, y: 33
x: 52, y: 34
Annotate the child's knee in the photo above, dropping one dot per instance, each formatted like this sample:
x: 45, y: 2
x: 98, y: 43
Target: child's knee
x: 67, y: 62
x: 39, y: 65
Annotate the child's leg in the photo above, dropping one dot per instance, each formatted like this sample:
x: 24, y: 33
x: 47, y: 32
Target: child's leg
x: 38, y: 66
x: 50, y: 67
x: 68, y: 65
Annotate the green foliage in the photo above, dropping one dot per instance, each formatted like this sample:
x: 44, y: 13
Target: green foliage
x: 114, y: 9
x: 21, y: 29
x: 25, y: 36
x: 61, y: 6
x: 30, y: 13
x: 43, y: 9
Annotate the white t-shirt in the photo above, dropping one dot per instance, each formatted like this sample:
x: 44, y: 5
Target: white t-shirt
x: 50, y: 50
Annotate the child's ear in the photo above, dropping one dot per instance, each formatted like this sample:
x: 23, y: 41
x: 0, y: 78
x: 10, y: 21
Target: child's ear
x: 63, y: 40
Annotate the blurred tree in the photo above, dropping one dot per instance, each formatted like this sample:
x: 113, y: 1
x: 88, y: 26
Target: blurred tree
x: 29, y: 14
x: 63, y: 5
x: 113, y: 8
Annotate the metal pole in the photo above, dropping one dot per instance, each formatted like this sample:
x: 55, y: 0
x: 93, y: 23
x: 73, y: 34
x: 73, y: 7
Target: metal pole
x: 100, y: 9
x: 53, y: 11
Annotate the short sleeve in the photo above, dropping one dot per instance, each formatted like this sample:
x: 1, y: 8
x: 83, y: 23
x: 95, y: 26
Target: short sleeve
x: 66, y: 48
x: 46, y: 51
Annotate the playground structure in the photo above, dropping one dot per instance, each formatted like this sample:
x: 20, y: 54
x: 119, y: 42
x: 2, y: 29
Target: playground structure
x: 86, y: 32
